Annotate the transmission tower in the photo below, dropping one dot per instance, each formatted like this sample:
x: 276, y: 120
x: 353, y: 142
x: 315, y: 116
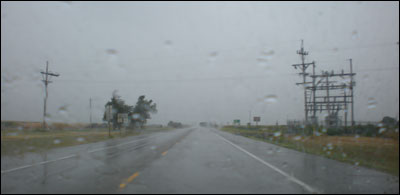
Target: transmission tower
x: 337, y: 92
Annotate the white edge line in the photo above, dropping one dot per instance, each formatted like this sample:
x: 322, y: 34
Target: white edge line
x: 70, y: 156
x: 307, y: 187
x: 44, y: 162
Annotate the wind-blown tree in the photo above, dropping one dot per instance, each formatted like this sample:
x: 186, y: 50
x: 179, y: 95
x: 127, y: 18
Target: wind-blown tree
x: 118, y: 106
x: 141, y: 112
x: 389, y: 121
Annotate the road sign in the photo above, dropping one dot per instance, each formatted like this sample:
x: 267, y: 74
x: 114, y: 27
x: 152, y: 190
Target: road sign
x: 109, y: 117
x: 122, y: 117
x: 108, y: 112
x: 257, y: 119
x: 236, y: 121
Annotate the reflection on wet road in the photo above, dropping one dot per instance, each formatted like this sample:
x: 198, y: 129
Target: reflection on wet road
x: 191, y: 160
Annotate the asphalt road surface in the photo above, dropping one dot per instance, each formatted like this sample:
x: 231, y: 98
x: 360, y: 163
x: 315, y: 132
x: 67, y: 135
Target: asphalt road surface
x: 190, y: 160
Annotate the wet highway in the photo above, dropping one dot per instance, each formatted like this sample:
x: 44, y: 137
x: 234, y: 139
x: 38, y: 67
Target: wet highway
x: 190, y: 160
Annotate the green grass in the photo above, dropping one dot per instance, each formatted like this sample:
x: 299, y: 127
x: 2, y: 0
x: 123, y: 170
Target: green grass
x: 17, y: 142
x: 373, y: 152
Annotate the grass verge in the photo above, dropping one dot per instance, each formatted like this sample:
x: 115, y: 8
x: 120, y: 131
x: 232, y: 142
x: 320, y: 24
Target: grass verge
x: 372, y: 152
x: 17, y: 142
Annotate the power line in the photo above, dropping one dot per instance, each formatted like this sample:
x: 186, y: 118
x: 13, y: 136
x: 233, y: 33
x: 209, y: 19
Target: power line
x: 378, y: 69
x: 238, y: 49
x: 386, y: 44
x: 210, y: 79
x: 178, y: 80
x: 336, y: 49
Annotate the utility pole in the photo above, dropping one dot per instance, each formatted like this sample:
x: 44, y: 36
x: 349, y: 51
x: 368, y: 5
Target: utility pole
x: 327, y: 94
x: 45, y: 76
x: 351, y: 91
x: 314, y: 119
x: 345, y: 109
x: 250, y: 117
x: 90, y: 107
x: 303, y: 54
x: 303, y: 66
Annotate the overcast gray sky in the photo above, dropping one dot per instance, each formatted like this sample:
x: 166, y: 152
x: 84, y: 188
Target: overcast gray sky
x: 199, y: 61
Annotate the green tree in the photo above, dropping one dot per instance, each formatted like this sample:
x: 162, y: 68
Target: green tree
x: 389, y: 121
x: 141, y: 112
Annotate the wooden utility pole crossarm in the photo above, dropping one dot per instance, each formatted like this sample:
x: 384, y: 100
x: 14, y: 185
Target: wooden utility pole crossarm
x: 303, y: 67
x: 46, y: 76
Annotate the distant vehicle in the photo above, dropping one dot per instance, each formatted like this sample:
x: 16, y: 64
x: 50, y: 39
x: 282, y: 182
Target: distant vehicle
x: 175, y: 124
x: 207, y: 124
x: 203, y: 124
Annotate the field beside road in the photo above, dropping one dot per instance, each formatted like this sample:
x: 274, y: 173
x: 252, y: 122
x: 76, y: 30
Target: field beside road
x: 381, y: 153
x: 18, y: 138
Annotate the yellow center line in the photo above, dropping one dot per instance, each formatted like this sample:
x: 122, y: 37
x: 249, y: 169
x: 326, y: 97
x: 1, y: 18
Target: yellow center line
x: 164, y: 153
x: 131, y: 178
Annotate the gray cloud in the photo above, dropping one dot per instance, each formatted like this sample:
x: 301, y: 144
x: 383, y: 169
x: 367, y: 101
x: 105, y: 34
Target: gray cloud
x: 198, y: 61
